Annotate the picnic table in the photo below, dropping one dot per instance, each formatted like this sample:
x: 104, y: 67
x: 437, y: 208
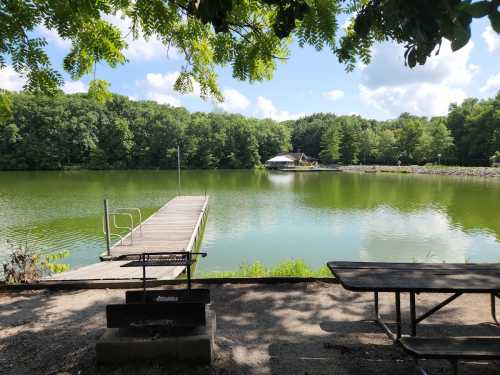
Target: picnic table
x: 416, y: 278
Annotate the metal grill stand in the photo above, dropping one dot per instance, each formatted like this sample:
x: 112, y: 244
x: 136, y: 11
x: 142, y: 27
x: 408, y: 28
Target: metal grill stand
x: 157, y: 324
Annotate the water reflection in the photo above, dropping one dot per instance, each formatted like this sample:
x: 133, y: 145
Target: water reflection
x: 281, y: 178
x: 426, y: 235
x: 256, y: 215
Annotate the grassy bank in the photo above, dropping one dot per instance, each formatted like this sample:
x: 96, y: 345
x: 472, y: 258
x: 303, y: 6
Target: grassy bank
x: 290, y: 268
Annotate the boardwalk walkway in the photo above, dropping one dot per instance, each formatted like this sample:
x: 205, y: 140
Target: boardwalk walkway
x: 174, y: 227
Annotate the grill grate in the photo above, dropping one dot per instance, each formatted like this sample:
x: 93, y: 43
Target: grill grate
x: 164, y: 259
x: 161, y: 261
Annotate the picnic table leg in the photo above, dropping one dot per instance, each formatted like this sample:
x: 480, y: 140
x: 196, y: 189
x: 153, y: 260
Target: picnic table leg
x: 143, y: 277
x: 420, y: 369
x: 379, y: 319
x: 493, y: 297
x: 398, y: 315
x: 454, y: 367
x: 189, y: 272
x: 413, y: 314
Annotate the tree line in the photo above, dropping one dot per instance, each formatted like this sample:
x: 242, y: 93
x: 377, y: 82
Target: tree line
x: 469, y: 135
x: 42, y: 132
x: 72, y: 130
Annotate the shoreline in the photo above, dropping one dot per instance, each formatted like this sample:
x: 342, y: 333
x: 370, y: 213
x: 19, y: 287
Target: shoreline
x: 413, y: 169
x: 417, y: 169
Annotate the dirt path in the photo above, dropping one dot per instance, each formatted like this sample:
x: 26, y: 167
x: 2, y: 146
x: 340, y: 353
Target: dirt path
x: 292, y: 329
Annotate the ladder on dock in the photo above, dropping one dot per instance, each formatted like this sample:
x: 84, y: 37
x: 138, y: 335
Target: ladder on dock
x: 177, y: 226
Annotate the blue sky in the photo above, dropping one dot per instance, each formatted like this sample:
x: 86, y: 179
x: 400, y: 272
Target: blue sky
x: 309, y: 82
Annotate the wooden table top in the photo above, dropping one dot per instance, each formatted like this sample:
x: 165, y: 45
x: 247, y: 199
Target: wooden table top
x: 417, y: 277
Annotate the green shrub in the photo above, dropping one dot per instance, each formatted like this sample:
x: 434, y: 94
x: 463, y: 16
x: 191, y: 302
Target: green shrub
x: 290, y: 268
x: 25, y: 265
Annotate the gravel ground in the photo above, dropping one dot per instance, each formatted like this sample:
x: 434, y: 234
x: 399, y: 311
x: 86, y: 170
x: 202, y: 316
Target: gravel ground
x: 304, y: 328
x: 437, y: 170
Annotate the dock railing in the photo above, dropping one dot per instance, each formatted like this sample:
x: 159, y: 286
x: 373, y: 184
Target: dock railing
x: 120, y: 211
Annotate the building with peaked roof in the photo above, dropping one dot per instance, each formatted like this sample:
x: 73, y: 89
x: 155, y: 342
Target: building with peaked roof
x: 289, y: 160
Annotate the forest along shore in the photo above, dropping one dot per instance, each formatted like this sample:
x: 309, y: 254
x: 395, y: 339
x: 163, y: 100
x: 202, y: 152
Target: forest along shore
x: 73, y: 131
x: 437, y: 170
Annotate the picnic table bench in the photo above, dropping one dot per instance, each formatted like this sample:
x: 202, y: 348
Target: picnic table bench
x: 416, y: 278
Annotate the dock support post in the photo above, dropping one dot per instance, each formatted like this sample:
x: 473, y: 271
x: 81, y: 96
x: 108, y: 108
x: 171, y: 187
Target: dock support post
x: 106, y: 222
x: 178, y: 170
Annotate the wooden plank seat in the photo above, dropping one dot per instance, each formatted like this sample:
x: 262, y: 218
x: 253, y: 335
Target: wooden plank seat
x: 136, y: 315
x: 174, y: 295
x: 459, y: 348
x: 453, y: 349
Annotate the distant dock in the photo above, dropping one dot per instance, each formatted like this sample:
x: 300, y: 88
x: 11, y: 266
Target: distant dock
x: 319, y: 169
x: 177, y: 226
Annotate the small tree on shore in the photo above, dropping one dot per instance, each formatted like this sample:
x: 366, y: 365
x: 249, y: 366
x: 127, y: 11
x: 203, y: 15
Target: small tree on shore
x: 495, y: 158
x: 26, y: 265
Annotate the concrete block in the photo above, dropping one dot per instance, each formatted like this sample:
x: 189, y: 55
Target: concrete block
x: 120, y: 345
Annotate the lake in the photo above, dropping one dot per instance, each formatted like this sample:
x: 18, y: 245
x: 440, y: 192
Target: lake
x: 266, y: 216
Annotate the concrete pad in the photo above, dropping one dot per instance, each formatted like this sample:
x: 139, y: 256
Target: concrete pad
x: 120, y: 346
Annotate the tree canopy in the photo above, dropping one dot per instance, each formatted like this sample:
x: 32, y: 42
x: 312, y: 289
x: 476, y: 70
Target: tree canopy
x: 249, y: 35
x: 56, y: 132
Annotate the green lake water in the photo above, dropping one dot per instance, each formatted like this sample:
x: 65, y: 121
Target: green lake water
x: 266, y: 216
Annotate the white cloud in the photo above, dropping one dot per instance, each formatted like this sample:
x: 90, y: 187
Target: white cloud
x: 387, y: 67
x: 140, y: 48
x: 160, y: 87
x: 334, y: 95
x: 266, y: 109
x: 10, y: 79
x: 164, y: 99
x: 347, y: 22
x: 234, y: 101
x: 425, y: 90
x: 491, y: 38
x: 165, y: 83
x: 72, y: 87
x: 160, y: 82
x: 423, y: 99
x: 492, y: 84
x: 53, y: 37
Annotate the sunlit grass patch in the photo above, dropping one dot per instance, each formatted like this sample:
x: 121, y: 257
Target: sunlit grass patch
x: 289, y: 268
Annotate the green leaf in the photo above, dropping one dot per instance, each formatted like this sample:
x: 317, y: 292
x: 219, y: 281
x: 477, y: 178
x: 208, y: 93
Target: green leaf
x: 478, y: 9
x: 5, y: 106
x: 99, y: 91
x: 494, y: 17
x: 412, y: 58
x: 461, y: 36
x: 447, y: 28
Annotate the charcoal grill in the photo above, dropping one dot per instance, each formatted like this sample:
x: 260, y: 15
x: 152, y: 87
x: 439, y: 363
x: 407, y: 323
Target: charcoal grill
x: 163, y: 259
x: 180, y: 307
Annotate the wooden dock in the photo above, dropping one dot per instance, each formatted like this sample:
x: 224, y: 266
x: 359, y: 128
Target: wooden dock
x: 177, y: 226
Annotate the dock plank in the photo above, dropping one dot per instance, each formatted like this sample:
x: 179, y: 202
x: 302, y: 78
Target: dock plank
x: 169, y: 229
x: 174, y: 227
x: 112, y: 270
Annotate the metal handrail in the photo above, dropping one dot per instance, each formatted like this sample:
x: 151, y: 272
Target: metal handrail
x: 132, y: 209
x: 110, y: 234
x: 130, y: 229
x: 119, y: 211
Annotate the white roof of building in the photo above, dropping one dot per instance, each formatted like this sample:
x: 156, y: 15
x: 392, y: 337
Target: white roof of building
x: 280, y: 159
